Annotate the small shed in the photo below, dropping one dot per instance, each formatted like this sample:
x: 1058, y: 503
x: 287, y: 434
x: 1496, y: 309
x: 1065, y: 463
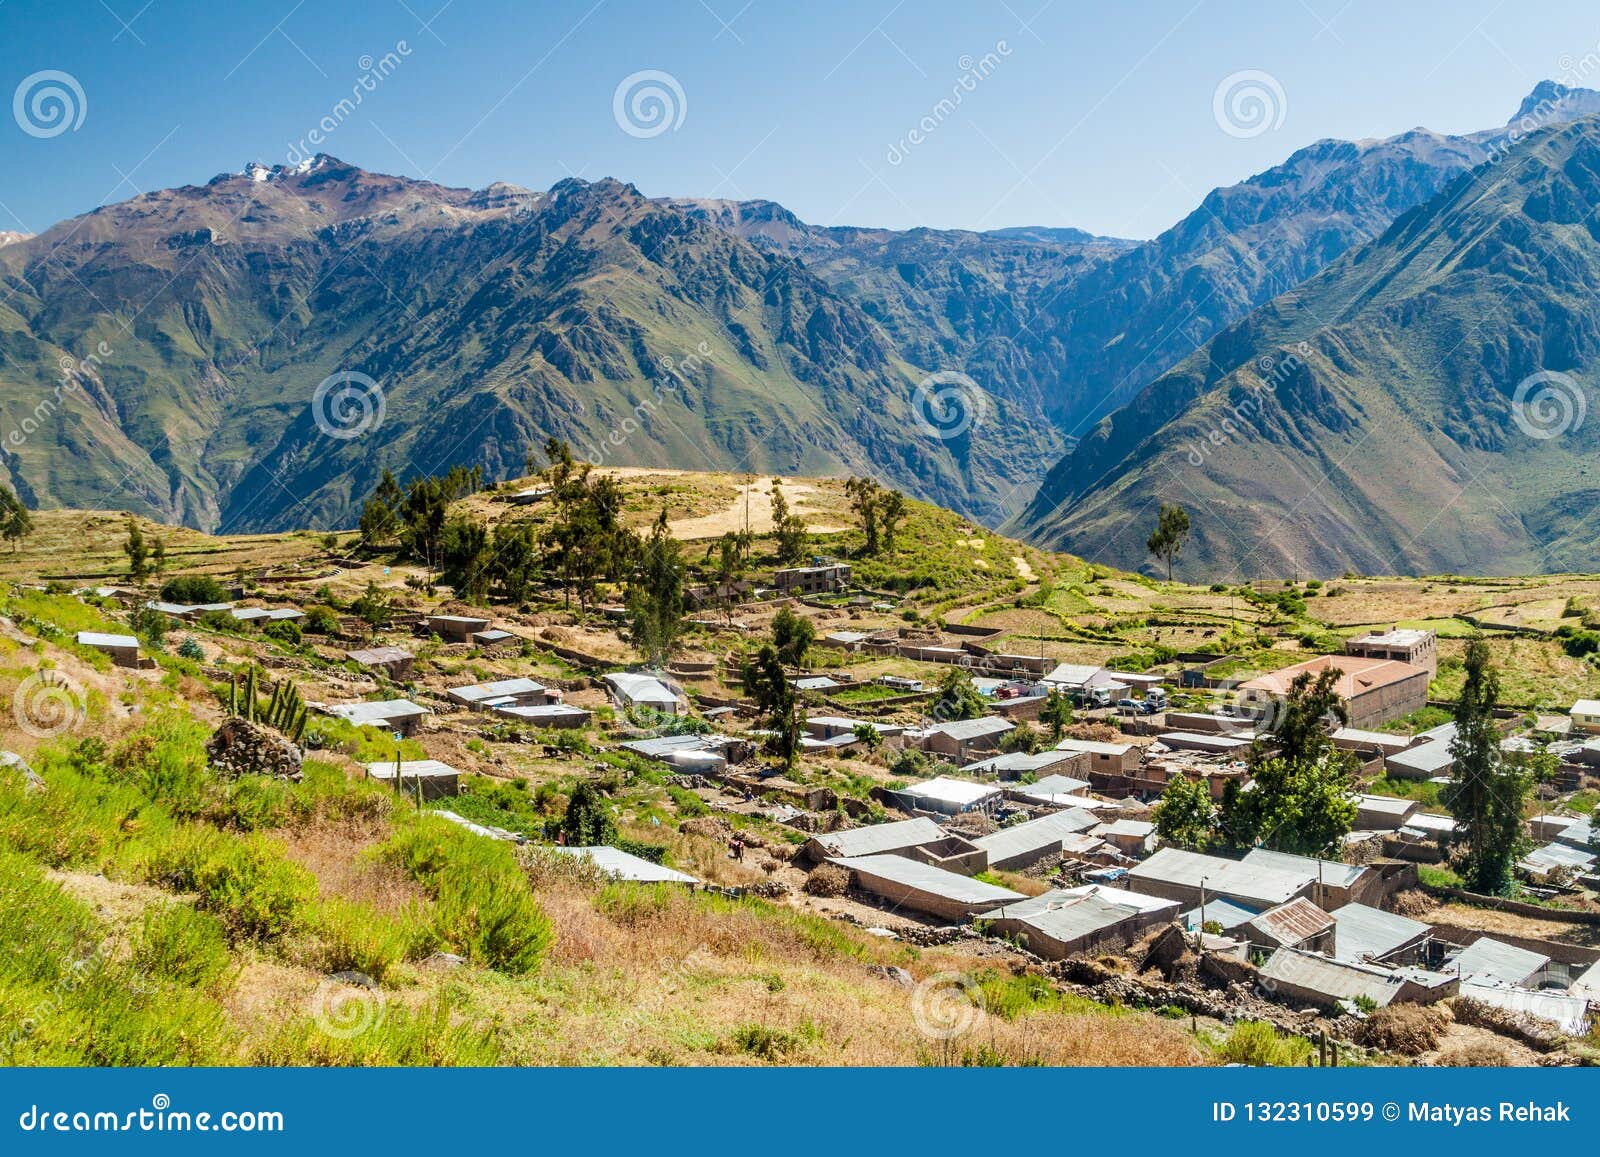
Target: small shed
x: 395, y: 662
x: 400, y: 715
x: 456, y: 628
x: 1498, y: 962
x: 1063, y: 923
x: 874, y: 839
x: 123, y: 649
x: 555, y: 715
x: 1383, y: 813
x: 1329, y: 983
x: 1130, y: 837
x: 1297, y: 924
x: 960, y: 739
x: 945, y: 796
x: 438, y: 780
x: 1027, y: 843
x: 640, y: 689
x: 501, y: 693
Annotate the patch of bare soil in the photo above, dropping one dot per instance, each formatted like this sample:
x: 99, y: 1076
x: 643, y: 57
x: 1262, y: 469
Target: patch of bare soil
x: 753, y: 507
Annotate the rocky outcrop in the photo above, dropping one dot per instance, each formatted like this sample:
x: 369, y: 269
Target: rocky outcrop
x: 240, y: 747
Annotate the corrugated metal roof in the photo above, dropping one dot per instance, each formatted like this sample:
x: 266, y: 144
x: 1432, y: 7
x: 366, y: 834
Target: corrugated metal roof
x: 972, y: 728
x: 1293, y: 923
x: 1252, y: 883
x: 1094, y: 746
x: 477, y: 692
x: 878, y: 838
x: 1495, y: 960
x: 1569, y: 1013
x: 1221, y: 911
x: 1363, y: 932
x: 379, y: 655
x: 1065, y: 918
x: 101, y: 639
x: 1553, y: 856
x: 1334, y: 874
x: 534, y: 712
x: 640, y: 688
x: 1045, y: 832
x: 366, y: 714
x: 943, y: 789
x: 625, y: 866
x: 927, y: 878
x: 1056, y: 784
x: 1021, y: 761
x: 411, y: 769
x: 1333, y: 979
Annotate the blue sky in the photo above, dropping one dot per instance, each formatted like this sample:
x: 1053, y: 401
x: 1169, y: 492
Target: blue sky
x: 1096, y: 115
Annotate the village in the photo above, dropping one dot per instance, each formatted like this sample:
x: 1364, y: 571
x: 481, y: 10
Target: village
x: 933, y: 780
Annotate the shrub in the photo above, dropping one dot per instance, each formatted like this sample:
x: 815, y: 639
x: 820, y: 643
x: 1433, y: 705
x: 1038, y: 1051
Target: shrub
x: 193, y: 588
x: 1406, y: 1029
x: 482, y: 902
x: 1255, y: 1042
x: 252, y: 889
x: 176, y: 943
x: 430, y: 1036
x: 321, y: 621
x: 191, y: 650
x: 828, y: 880
x: 254, y: 802
x: 283, y: 631
x: 355, y: 938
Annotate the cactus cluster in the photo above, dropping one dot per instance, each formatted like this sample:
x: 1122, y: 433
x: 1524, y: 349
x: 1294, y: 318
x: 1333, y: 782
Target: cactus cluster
x: 284, y: 711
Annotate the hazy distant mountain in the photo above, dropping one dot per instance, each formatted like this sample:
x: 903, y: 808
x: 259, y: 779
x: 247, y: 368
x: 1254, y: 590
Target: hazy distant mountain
x: 1385, y: 416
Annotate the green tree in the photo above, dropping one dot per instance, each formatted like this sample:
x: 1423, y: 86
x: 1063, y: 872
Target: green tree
x: 788, y: 529
x: 514, y: 559
x: 373, y: 607
x: 1301, y: 801
x: 655, y: 594
x: 892, y: 510
x: 959, y: 697
x: 1056, y: 713
x: 380, y: 517
x: 158, y: 556
x: 16, y: 523
x: 585, y: 542
x: 1171, y: 532
x: 766, y: 682
x: 1487, y: 792
x: 193, y: 589
x: 868, y: 736
x: 587, y: 822
x: 138, y: 552
x: 467, y: 558
x: 1185, y: 815
x: 792, y: 636
x: 1024, y: 737
x: 864, y: 495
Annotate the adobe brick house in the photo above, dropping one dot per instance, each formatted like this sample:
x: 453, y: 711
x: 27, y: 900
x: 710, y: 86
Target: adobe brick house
x: 1374, y: 691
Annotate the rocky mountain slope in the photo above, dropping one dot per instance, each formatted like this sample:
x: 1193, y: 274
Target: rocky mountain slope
x: 1419, y: 406
x: 165, y: 353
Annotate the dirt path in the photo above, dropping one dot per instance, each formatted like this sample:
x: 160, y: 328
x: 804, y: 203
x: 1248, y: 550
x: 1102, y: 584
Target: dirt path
x: 760, y: 512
